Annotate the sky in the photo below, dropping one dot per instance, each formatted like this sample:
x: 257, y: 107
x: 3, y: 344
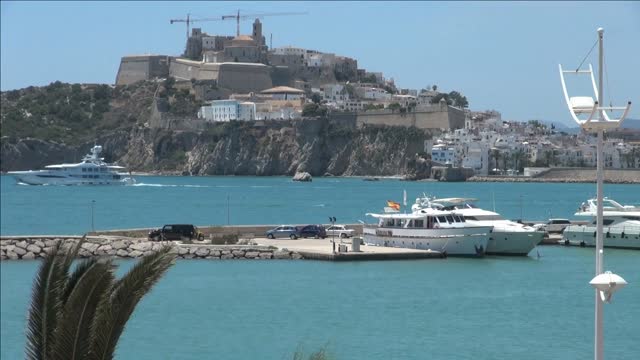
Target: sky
x: 500, y: 55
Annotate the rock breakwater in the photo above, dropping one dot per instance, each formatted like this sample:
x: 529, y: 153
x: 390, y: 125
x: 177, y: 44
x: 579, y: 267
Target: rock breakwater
x: 33, y: 247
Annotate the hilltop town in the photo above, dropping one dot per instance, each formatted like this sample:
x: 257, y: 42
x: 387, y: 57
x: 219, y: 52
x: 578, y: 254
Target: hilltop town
x: 240, y: 78
x: 283, y: 110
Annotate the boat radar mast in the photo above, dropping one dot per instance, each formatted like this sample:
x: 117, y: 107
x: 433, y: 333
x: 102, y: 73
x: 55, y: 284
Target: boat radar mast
x: 597, y: 121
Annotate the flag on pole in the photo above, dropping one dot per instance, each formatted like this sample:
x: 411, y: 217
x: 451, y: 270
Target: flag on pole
x: 394, y: 205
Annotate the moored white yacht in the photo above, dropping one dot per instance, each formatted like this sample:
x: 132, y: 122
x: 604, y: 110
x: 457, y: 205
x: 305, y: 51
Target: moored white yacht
x: 621, y: 225
x: 428, y: 229
x: 91, y: 171
x: 507, y: 237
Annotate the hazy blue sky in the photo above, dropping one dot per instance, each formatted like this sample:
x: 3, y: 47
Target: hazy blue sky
x: 501, y: 55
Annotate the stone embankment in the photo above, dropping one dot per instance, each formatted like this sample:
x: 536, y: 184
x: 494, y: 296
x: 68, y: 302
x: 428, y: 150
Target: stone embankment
x: 569, y: 175
x: 33, y: 247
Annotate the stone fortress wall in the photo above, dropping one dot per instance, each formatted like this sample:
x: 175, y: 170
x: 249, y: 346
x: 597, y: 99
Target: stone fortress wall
x: 433, y: 117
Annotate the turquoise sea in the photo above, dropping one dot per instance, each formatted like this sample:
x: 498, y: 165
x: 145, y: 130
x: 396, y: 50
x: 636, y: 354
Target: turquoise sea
x: 538, y: 307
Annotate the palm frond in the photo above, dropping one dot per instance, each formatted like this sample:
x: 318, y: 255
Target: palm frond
x: 113, y: 314
x: 45, y: 301
x: 93, y: 281
x: 75, y: 276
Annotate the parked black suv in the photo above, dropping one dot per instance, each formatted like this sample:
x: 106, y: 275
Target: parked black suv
x: 315, y: 231
x: 176, y: 232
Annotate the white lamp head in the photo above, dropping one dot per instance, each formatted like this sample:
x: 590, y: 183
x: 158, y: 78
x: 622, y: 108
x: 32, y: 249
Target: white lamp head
x: 607, y: 283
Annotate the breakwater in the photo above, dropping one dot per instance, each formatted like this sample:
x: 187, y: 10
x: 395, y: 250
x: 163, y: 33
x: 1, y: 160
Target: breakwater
x: 33, y: 247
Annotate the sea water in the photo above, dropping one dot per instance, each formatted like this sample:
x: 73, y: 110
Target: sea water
x: 535, y: 307
x: 492, y: 308
x: 156, y: 201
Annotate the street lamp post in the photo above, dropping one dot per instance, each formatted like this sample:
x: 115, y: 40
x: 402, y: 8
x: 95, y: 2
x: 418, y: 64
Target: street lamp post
x: 605, y: 284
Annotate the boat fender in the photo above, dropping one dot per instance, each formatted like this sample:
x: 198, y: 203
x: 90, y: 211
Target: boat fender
x: 566, y: 242
x: 582, y: 244
x: 622, y: 235
x: 608, y: 234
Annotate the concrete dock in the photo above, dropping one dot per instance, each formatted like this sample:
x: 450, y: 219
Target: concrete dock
x: 322, y: 249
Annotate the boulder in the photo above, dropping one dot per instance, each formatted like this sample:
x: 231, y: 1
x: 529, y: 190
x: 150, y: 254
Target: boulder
x: 226, y: 256
x: 142, y: 246
x: 22, y: 244
x: 296, y: 256
x: 34, y: 249
x: 119, y: 245
x: 302, y: 176
x: 202, y: 252
x: 266, y: 255
x: 215, y: 253
x: 135, y: 253
x: 38, y: 243
x: 122, y: 253
x: 183, y: 251
x: 13, y: 256
x: 90, y: 247
x: 238, y: 253
x: 251, y: 254
x: 281, y: 254
x: 20, y: 251
x: 29, y: 256
x: 51, y: 242
x: 188, y: 256
x: 148, y: 252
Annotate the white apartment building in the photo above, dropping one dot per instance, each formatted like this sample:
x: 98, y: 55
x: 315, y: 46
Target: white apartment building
x: 289, y: 50
x: 444, y: 154
x: 373, y: 93
x: 334, y: 92
x: 320, y: 59
x: 228, y: 110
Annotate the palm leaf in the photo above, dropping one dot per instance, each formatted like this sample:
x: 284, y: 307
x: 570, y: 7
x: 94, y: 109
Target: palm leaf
x: 114, y: 312
x: 75, y: 276
x: 45, y: 301
x: 92, y: 281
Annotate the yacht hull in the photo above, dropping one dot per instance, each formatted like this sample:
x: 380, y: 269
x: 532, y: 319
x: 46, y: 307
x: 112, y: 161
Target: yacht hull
x: 513, y: 243
x: 41, y: 178
x: 617, y: 237
x: 469, y: 242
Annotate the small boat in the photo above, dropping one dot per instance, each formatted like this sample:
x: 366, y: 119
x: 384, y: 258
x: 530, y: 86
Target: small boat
x: 621, y: 225
x: 507, y: 237
x: 91, y: 171
x: 428, y: 229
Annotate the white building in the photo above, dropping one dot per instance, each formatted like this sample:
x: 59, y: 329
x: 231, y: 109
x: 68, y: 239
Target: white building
x: 444, y: 154
x: 373, y: 93
x: 228, y: 110
x: 289, y: 50
x: 334, y: 92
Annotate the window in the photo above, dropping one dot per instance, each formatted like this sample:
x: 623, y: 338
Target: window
x: 84, y: 170
x: 442, y: 219
x: 418, y: 223
x: 450, y: 219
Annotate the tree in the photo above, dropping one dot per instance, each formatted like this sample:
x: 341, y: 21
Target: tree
x: 316, y: 98
x: 394, y: 106
x: 81, y: 314
x: 314, y: 110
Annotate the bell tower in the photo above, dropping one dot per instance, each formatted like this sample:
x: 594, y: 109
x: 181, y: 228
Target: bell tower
x: 257, y: 32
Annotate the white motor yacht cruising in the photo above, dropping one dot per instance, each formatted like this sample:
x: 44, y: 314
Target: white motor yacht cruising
x: 91, y: 171
x: 428, y: 229
x: 507, y: 237
x: 621, y: 225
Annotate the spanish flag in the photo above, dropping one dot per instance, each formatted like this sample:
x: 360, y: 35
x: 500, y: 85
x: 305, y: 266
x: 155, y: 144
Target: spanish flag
x: 394, y: 205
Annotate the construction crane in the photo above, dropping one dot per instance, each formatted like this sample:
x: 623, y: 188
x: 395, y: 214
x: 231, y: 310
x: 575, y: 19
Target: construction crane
x: 237, y: 16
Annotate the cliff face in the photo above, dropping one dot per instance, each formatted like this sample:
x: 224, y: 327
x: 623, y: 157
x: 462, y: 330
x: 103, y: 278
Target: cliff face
x: 318, y: 146
x: 61, y: 122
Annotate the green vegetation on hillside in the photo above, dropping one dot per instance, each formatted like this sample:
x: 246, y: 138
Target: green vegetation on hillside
x: 71, y: 113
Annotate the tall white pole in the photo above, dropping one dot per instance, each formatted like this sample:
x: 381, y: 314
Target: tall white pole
x: 599, y: 344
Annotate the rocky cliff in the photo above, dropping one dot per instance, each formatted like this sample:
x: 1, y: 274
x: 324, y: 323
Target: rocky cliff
x: 319, y: 146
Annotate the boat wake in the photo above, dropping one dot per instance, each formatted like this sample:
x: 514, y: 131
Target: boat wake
x: 171, y: 185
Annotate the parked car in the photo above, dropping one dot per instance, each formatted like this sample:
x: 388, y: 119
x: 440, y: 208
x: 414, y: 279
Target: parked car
x: 176, y: 232
x: 339, y: 230
x: 283, y: 231
x: 553, y: 225
x: 315, y: 231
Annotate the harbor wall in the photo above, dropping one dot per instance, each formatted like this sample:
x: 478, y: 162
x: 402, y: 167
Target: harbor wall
x: 34, y: 247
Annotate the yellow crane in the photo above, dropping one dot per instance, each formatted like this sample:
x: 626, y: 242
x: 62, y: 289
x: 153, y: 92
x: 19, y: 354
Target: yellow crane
x: 236, y: 16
